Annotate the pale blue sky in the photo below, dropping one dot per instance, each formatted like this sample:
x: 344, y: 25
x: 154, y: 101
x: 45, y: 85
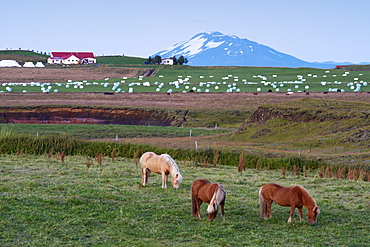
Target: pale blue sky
x: 312, y: 30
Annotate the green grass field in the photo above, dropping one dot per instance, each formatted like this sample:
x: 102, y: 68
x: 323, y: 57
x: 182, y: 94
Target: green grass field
x: 210, y: 79
x: 45, y: 202
x: 95, y: 131
x: 120, y: 60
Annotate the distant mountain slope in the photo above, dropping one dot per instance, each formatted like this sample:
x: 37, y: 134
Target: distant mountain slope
x: 217, y: 49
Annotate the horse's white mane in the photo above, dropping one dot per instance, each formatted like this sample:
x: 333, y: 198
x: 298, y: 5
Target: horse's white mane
x: 173, y: 166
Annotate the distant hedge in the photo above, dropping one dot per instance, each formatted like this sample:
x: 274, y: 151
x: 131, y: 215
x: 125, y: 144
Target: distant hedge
x: 53, y: 144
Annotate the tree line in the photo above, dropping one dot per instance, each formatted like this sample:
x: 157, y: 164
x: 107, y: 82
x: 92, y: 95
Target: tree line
x: 176, y: 61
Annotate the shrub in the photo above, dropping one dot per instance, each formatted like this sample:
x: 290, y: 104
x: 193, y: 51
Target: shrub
x: 63, y: 144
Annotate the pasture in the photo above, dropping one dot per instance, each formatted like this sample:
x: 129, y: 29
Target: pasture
x: 170, y: 79
x: 108, y: 132
x: 340, y: 142
x: 120, y: 60
x: 45, y: 202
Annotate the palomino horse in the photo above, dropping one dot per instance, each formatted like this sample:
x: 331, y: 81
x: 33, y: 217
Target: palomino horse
x: 161, y: 164
x: 204, y: 191
x: 293, y: 197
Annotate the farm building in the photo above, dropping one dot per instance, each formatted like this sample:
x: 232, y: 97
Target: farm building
x: 71, y: 58
x: 167, y: 61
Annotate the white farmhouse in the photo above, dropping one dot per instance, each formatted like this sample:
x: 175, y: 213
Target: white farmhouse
x: 71, y: 58
x: 167, y: 61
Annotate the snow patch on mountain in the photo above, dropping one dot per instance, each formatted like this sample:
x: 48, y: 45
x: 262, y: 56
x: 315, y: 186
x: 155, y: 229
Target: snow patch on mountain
x: 213, y: 44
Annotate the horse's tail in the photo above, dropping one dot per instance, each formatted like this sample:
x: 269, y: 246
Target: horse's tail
x: 217, y: 198
x: 263, y: 205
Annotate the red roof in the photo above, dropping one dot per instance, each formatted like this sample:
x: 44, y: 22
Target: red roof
x: 80, y: 55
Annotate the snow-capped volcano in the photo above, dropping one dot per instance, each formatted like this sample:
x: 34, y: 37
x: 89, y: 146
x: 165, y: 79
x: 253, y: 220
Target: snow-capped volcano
x: 197, y: 44
x: 217, y: 49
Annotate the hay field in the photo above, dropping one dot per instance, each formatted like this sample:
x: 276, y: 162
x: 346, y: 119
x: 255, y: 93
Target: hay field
x: 190, y: 101
x: 59, y: 74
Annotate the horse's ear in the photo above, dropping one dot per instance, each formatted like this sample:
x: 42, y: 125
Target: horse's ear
x: 317, y: 210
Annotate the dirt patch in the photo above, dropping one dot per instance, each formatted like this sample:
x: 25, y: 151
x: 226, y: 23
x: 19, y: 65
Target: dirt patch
x: 85, y: 115
x: 358, y: 137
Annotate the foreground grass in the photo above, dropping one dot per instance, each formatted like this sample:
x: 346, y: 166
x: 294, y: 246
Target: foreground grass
x: 48, y: 203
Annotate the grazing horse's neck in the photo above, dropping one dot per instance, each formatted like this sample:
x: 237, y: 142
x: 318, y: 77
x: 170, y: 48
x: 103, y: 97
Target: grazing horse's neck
x: 172, y: 166
x: 308, y: 201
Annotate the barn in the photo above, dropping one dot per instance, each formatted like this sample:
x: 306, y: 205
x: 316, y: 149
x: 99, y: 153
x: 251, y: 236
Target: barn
x: 71, y: 58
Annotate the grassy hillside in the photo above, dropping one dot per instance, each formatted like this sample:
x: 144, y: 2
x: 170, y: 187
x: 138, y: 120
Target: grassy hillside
x: 22, y: 56
x: 309, y: 127
x: 23, y: 53
x: 357, y: 67
x: 120, y: 60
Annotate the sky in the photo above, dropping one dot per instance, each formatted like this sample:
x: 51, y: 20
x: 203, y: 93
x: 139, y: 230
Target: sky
x: 312, y: 30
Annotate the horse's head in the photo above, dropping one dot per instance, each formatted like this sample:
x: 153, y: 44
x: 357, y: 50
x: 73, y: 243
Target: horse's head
x: 176, y: 180
x: 312, y: 215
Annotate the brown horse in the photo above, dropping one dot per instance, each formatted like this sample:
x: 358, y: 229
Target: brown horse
x: 204, y: 191
x: 293, y: 197
x: 161, y: 164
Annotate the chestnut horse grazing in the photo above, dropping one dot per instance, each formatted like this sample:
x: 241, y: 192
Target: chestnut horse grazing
x: 293, y: 197
x: 161, y: 164
x: 204, y: 191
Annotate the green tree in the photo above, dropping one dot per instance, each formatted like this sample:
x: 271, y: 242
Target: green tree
x: 174, y: 60
x: 157, y: 59
x: 182, y: 60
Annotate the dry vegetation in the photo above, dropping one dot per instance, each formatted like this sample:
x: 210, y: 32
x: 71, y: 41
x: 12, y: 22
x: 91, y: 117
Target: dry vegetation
x: 59, y: 74
x: 184, y: 101
x: 23, y: 58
